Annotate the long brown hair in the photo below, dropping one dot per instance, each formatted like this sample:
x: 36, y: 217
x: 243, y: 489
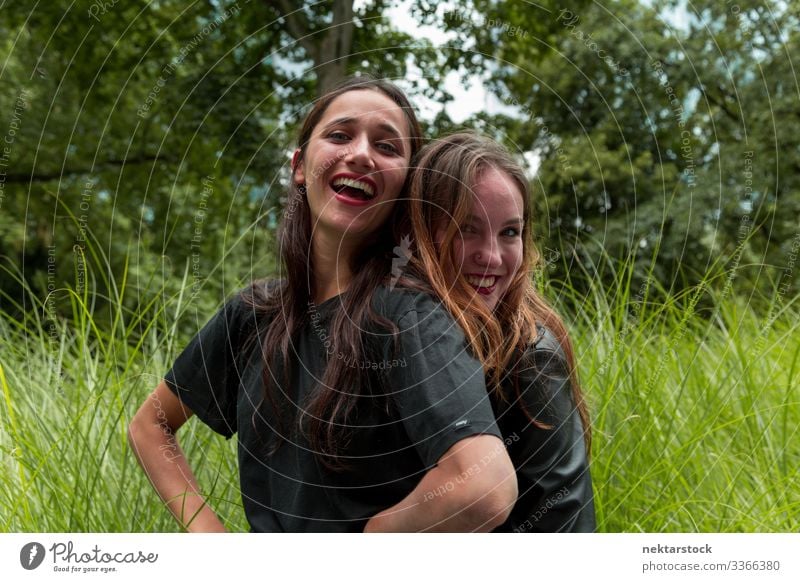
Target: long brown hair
x: 440, y: 193
x: 287, y: 307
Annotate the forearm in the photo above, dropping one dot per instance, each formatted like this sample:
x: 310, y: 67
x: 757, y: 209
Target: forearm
x: 437, y: 504
x: 166, y: 466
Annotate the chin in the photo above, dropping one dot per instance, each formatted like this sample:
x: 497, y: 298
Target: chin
x: 489, y: 303
x: 363, y: 224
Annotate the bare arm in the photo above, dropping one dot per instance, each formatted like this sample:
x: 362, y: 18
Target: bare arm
x: 151, y: 435
x: 472, y: 488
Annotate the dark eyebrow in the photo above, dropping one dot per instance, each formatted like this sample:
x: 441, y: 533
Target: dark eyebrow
x: 387, y: 127
x: 509, y: 222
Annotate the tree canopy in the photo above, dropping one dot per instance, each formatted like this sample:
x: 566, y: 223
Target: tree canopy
x: 150, y: 139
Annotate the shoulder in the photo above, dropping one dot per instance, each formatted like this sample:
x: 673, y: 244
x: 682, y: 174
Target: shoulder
x: 245, y: 309
x: 545, y: 353
x: 260, y: 290
x: 546, y: 341
x: 259, y: 296
x: 401, y: 304
x: 544, y: 377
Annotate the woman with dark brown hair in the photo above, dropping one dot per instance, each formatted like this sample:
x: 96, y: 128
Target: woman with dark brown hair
x: 355, y: 403
x: 468, y: 216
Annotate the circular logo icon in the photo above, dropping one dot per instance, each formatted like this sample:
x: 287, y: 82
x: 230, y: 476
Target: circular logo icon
x: 31, y: 555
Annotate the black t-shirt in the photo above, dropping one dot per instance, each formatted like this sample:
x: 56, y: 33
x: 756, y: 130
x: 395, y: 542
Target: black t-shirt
x: 424, y: 397
x: 555, y: 487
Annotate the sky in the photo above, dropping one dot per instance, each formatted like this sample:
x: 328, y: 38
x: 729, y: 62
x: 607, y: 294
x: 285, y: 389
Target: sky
x: 466, y: 101
x: 476, y: 98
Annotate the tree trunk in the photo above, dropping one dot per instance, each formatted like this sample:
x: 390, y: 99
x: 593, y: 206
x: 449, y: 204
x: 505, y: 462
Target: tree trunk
x: 328, y: 48
x: 329, y: 74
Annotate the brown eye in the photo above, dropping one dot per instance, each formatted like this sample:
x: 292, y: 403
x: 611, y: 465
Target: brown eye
x: 387, y: 147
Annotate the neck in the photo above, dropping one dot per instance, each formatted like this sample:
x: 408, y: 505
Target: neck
x: 332, y: 273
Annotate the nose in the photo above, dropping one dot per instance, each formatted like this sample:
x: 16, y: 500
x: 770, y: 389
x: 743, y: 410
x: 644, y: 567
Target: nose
x: 487, y: 255
x: 359, y: 153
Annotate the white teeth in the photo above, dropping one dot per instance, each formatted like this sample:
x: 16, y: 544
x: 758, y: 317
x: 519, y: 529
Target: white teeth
x: 481, y: 281
x: 363, y: 186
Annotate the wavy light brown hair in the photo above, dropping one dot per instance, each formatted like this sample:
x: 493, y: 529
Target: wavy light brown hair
x: 440, y: 193
x: 286, y: 307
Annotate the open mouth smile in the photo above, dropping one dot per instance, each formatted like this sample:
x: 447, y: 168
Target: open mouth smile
x: 483, y: 284
x: 351, y: 189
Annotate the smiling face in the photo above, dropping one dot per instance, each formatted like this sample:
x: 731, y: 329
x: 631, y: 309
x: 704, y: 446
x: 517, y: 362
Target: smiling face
x: 489, y: 247
x: 355, y: 164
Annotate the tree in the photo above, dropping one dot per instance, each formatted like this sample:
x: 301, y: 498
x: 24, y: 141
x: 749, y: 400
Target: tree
x: 656, y: 139
x: 152, y: 136
x: 750, y: 99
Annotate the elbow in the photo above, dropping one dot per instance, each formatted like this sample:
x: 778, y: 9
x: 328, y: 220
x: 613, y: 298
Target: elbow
x: 136, y: 434
x: 143, y: 432
x: 495, y: 499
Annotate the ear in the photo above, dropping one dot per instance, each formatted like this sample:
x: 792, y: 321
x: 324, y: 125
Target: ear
x: 298, y: 175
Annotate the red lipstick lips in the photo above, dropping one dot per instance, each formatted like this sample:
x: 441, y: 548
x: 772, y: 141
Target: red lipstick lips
x: 370, y: 189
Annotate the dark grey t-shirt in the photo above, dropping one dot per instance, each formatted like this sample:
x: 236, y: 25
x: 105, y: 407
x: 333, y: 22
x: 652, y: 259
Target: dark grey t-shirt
x: 422, y: 399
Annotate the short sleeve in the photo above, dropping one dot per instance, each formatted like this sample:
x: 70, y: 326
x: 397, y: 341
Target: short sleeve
x: 438, y: 388
x: 552, y: 466
x: 205, y: 376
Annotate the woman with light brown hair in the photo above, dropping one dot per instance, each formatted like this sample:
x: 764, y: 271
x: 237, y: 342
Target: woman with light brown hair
x: 468, y: 216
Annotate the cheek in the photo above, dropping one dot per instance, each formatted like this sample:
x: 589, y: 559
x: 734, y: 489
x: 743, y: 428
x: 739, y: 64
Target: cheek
x: 396, y: 177
x: 316, y: 169
x: 514, y: 257
x: 381, y: 212
x: 461, y: 251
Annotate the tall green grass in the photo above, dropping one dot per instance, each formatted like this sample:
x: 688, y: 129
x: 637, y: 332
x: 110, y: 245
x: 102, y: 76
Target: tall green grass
x: 696, y: 422
x: 695, y: 401
x: 695, y: 415
x: 70, y: 386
